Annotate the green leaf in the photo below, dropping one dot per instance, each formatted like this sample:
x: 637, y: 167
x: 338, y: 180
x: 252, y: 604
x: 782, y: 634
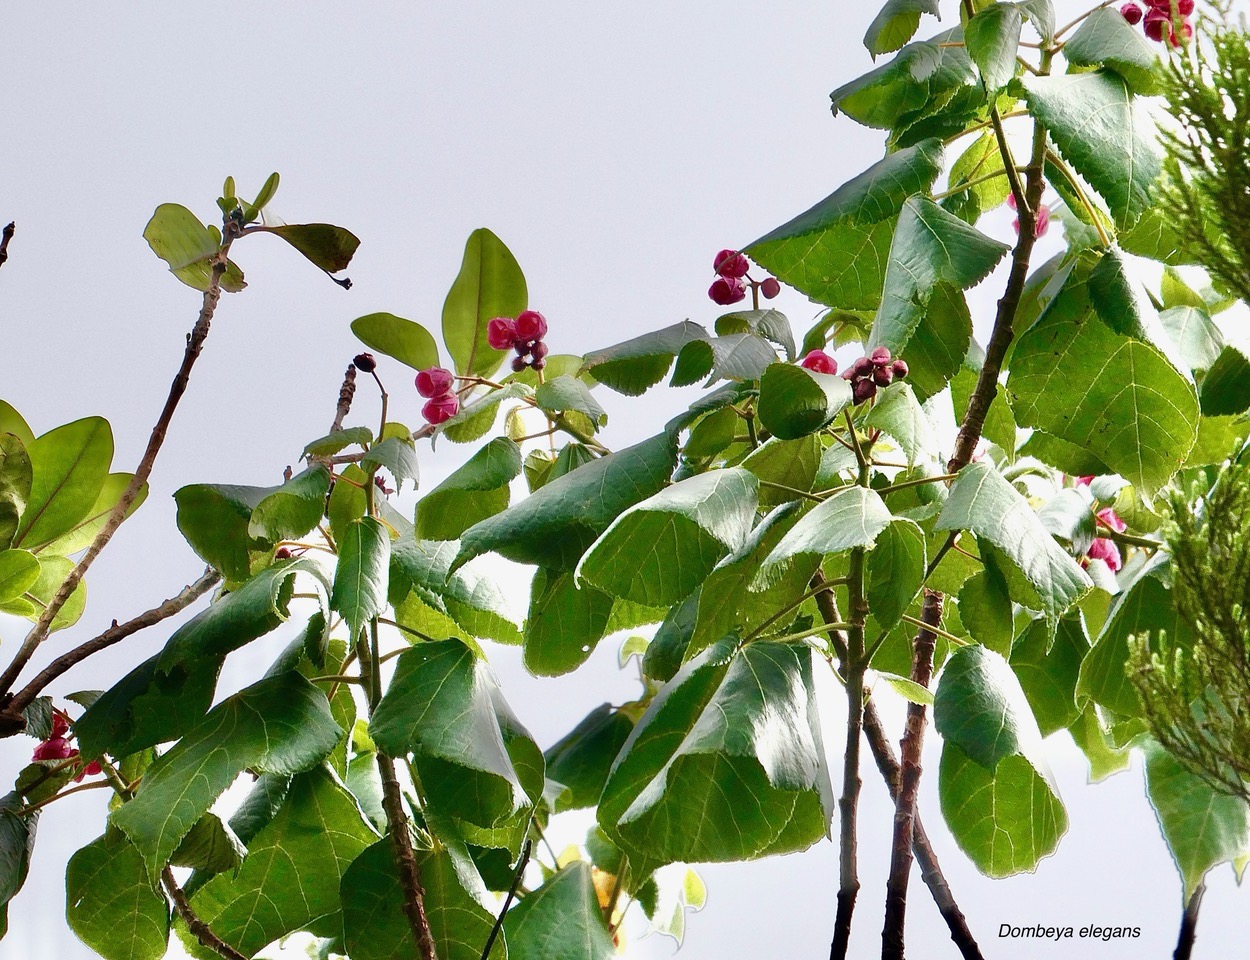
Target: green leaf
x: 561, y: 920
x: 790, y: 463
x: 851, y: 518
x: 409, y: 343
x: 477, y: 417
x: 112, y: 905
x: 930, y: 246
x: 1175, y: 292
x: 736, y: 356
x: 374, y: 922
x: 1197, y: 339
x: 293, y: 868
x: 1103, y: 133
x: 17, y: 842
x: 795, y: 401
x: 565, y: 623
x: 19, y: 570
x: 1041, y: 14
x: 238, y: 618
x: 555, y: 525
x: 1047, y: 668
x: 941, y: 342
x: 993, y: 39
x: 567, y: 393
x: 1107, y: 39
x: 896, y: 23
x: 444, y: 707
x: 727, y: 763
x: 397, y: 456
x: 323, y: 244
x: 982, y: 158
x: 15, y: 480
x: 1226, y: 386
x: 215, y: 519
x: 360, y: 579
x: 898, y: 413
x: 490, y: 284
x: 477, y: 490
x: 146, y: 707
x: 338, y: 441
x: 668, y: 647
x: 210, y: 848
x: 469, y: 598
x: 770, y: 324
x: 176, y: 235
x: 835, y: 252
x: 635, y: 365
x: 1136, y: 412
x: 52, y: 573
x: 1000, y: 423
x: 1093, y: 740
x: 279, y: 725
x: 84, y: 532
x: 983, y: 502
x: 13, y: 422
x: 895, y: 568
x: 293, y: 509
x: 69, y: 466
x: 1063, y: 456
x: 985, y: 609
x: 711, y: 435
x: 1202, y: 828
x: 582, y: 759
x: 659, y: 550
x: 1006, y: 819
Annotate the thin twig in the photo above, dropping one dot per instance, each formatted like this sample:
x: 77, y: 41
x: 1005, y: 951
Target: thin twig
x: 512, y: 889
x: 202, y: 931
x: 195, y: 343
x: 5, y: 236
x: 112, y: 635
x: 1189, y: 925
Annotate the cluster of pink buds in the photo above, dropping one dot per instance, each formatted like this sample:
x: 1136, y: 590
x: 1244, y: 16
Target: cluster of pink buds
x: 435, y: 384
x: 1104, y: 548
x: 730, y: 285
x: 58, y: 747
x: 524, y: 335
x: 875, y: 370
x: 1160, y: 19
x: 1041, y: 219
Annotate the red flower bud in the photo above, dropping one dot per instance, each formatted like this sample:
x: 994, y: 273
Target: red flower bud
x: 770, y: 288
x: 880, y: 355
x: 727, y: 290
x: 434, y: 382
x: 1184, y: 7
x: 282, y: 553
x: 1111, y: 520
x: 1106, y: 551
x: 863, y: 390
x: 883, y: 375
x: 900, y: 369
x: 819, y: 362
x: 1157, y: 26
x: 531, y: 325
x: 501, y: 332
x: 365, y: 362
x: 730, y: 263
x: 55, y: 748
x: 60, y: 726
x: 519, y: 364
x: 862, y: 367
x: 441, y: 409
x: 1132, y: 13
x: 538, y: 350
x: 539, y: 363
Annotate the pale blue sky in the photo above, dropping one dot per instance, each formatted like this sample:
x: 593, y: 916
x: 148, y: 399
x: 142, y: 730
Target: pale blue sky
x: 615, y: 148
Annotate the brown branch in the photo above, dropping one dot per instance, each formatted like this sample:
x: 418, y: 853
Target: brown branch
x: 405, y: 859
x: 112, y: 635
x: 1189, y: 925
x: 887, y: 764
x: 346, y: 392
x: 909, y: 783
x: 5, y: 236
x: 195, y: 343
x: 202, y: 931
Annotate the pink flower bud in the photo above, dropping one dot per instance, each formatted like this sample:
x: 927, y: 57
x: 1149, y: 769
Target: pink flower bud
x: 519, y: 364
x: 531, y: 325
x: 880, y: 355
x: 538, y: 350
x: 883, y: 375
x: 500, y: 333
x: 862, y: 367
x: 1106, y: 551
x: 730, y: 263
x: 1042, y: 223
x: 1109, y: 519
x: 1184, y: 7
x: 770, y: 288
x: 727, y: 290
x: 434, y: 382
x: 1011, y: 200
x: 819, y: 362
x: 1084, y: 481
x: 60, y: 726
x: 863, y: 390
x: 900, y: 369
x: 441, y: 409
x: 1157, y: 26
x: 55, y: 748
x: 1132, y: 13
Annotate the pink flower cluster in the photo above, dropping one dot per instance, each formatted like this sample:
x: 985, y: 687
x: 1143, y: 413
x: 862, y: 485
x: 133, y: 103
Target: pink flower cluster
x: 1104, y: 548
x: 730, y: 285
x: 58, y: 747
x: 435, y: 384
x: 1041, y: 221
x: 1161, y: 19
x: 875, y: 370
x: 524, y: 334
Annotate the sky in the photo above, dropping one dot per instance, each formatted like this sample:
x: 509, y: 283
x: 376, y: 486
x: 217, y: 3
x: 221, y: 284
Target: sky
x: 615, y: 148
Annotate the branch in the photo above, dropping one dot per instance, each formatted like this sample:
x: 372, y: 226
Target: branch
x: 1189, y: 925
x: 909, y: 783
x: 203, y: 932
x: 195, y: 343
x: 883, y: 753
x: 346, y: 392
x: 405, y: 859
x: 112, y: 635
x: 512, y: 889
x: 5, y: 236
